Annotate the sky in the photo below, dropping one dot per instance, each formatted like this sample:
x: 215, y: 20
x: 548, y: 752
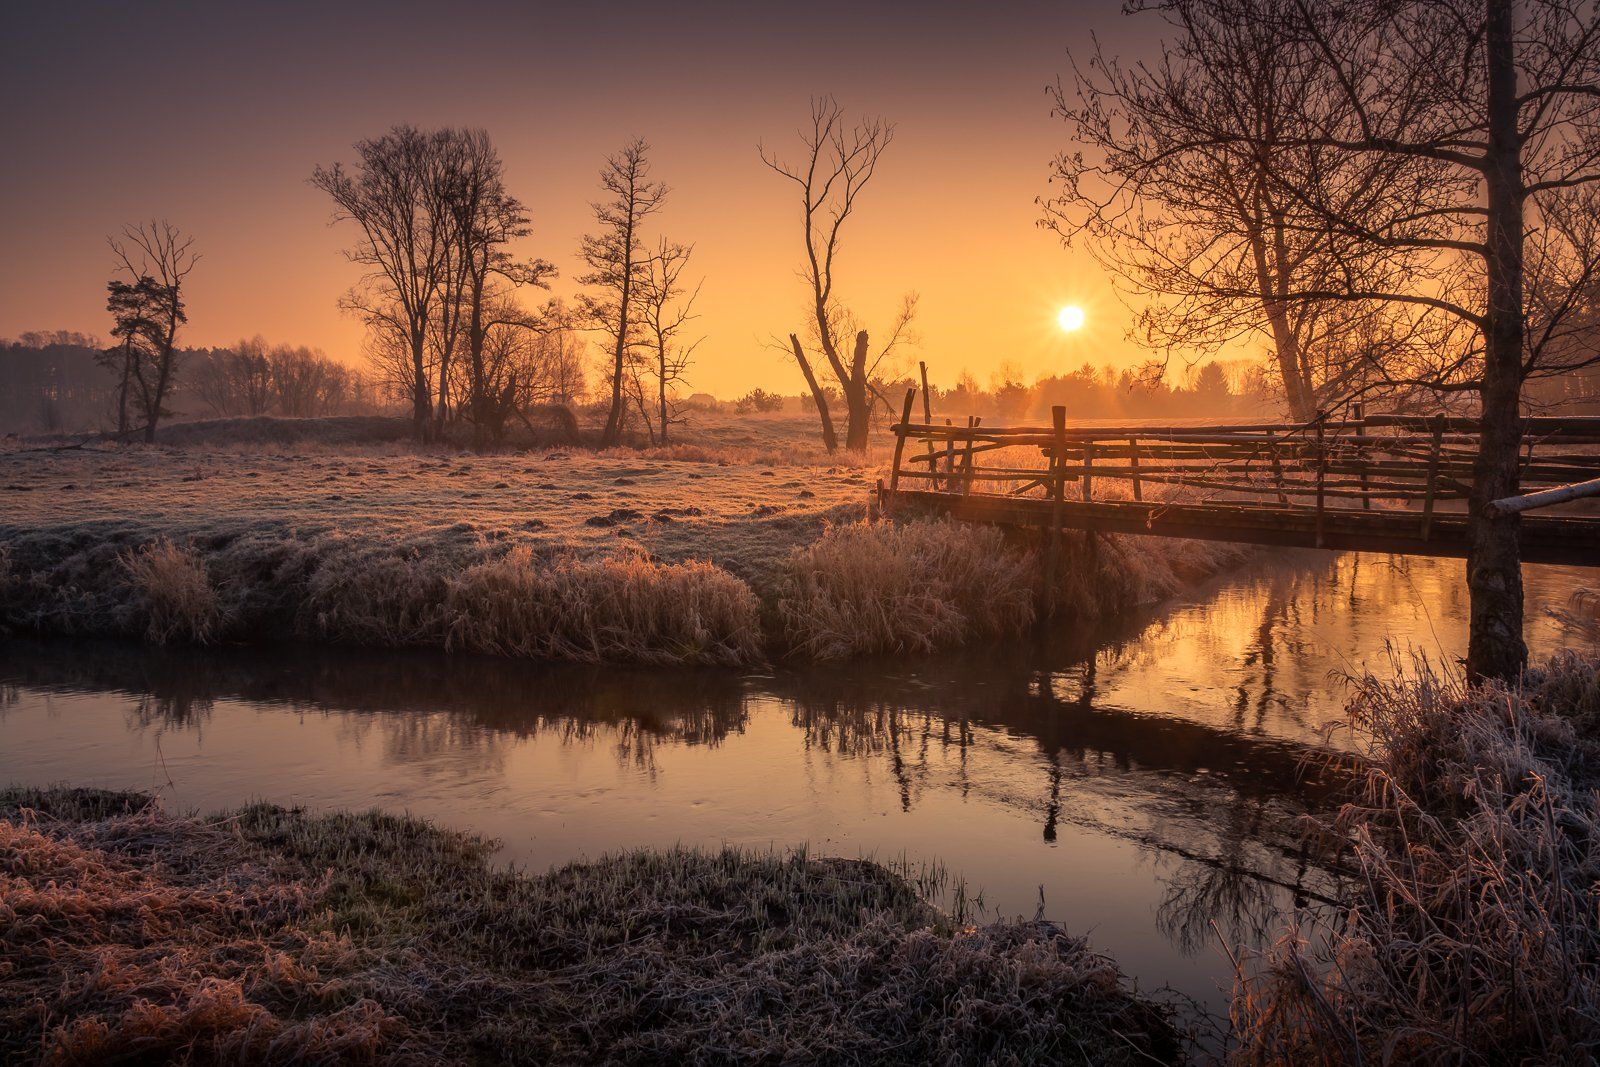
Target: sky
x: 213, y: 116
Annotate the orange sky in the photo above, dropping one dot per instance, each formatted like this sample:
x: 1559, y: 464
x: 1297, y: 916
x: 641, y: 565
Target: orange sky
x: 214, y: 117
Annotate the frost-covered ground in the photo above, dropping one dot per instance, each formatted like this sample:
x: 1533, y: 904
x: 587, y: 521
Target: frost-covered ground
x: 742, y: 513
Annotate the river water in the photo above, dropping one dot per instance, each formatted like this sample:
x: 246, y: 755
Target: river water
x: 1142, y: 784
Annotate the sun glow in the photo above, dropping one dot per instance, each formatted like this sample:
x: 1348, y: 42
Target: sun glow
x: 1070, y: 318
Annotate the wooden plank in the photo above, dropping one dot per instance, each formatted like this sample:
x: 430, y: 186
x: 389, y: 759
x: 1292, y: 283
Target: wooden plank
x: 1133, y: 463
x: 1545, y: 539
x: 1433, y: 480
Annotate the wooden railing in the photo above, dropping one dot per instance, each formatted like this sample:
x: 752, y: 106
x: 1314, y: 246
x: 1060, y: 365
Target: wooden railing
x: 1376, y: 464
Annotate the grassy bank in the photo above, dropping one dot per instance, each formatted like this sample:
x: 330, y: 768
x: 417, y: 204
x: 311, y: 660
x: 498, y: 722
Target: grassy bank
x: 1471, y: 934
x: 590, y: 557
x: 265, y: 935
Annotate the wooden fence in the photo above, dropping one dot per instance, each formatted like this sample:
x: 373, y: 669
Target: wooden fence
x: 1364, y: 481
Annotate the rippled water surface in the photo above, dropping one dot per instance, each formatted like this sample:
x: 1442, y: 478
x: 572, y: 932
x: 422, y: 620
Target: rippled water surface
x: 1143, y: 782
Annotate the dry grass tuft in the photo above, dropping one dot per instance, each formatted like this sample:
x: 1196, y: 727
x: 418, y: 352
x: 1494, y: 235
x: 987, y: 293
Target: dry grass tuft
x: 885, y: 587
x: 129, y: 934
x: 1471, y: 935
x: 621, y: 609
x: 178, y: 598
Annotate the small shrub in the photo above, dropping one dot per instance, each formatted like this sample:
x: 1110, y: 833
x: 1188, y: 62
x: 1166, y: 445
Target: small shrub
x: 179, y: 601
x: 758, y: 400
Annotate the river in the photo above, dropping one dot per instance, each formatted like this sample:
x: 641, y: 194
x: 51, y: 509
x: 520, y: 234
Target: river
x: 1141, y: 783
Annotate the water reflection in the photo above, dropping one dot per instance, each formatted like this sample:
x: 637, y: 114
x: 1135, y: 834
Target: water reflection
x: 1149, y: 780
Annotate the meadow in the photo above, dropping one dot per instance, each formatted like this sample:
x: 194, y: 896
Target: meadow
x: 745, y: 542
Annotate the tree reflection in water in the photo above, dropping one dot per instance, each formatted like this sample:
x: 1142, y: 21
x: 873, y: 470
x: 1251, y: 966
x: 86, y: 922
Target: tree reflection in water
x: 1215, y: 809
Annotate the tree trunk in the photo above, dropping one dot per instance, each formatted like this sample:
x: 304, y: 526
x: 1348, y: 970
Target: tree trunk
x: 858, y: 398
x: 421, y: 403
x: 830, y: 440
x: 661, y: 394
x: 614, y: 420
x: 1495, y: 647
x: 122, y: 391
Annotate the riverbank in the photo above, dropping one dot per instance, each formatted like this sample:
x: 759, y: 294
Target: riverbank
x: 661, y: 557
x: 268, y: 935
x: 1469, y: 933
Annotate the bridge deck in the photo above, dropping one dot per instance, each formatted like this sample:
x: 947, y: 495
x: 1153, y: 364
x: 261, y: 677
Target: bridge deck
x: 1545, y: 539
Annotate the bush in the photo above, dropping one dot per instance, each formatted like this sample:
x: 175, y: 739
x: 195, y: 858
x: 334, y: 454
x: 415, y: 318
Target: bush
x: 758, y: 400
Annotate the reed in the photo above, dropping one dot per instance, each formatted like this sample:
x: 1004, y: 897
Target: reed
x: 174, y: 592
x: 1470, y: 935
x: 884, y: 587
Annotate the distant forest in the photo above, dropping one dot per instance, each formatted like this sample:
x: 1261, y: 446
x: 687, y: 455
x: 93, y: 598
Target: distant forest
x: 58, y: 381
x: 55, y: 381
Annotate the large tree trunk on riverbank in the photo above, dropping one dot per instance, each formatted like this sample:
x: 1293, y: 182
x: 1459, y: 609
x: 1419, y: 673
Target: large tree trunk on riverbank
x: 1495, y: 647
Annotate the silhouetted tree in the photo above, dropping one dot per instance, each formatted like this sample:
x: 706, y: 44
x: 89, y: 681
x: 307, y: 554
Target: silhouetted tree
x: 666, y: 306
x: 397, y: 195
x: 1176, y: 197
x: 154, y: 258
x: 618, y: 266
x: 487, y: 218
x: 838, y: 161
x: 1480, y: 117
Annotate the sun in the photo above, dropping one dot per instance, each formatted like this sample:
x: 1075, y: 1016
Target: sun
x: 1070, y: 318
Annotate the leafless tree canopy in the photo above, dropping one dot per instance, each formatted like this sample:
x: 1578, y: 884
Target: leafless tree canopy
x: 666, y: 308
x: 619, y: 268
x: 436, y: 223
x: 1437, y: 158
x: 837, y: 161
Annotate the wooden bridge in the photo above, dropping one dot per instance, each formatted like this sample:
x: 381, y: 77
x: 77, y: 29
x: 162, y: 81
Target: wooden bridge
x: 1378, y: 483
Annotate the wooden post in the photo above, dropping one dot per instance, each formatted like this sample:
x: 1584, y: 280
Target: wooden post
x: 950, y: 458
x: 973, y: 422
x: 1361, y: 417
x: 1433, y: 477
x: 1133, y: 461
x: 900, y: 440
x: 1088, y: 469
x: 1277, y: 469
x: 1322, y: 473
x: 1058, y: 419
x: 927, y: 420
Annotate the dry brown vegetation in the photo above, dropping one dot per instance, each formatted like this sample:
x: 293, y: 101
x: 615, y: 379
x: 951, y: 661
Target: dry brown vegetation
x: 703, y: 553
x: 128, y: 934
x: 1471, y: 933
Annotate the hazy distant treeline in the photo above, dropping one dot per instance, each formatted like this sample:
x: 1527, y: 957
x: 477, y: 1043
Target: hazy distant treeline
x: 57, y: 381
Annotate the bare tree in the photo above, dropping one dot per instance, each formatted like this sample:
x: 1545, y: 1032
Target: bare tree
x: 666, y: 306
x: 618, y: 265
x: 838, y: 161
x: 1176, y: 196
x: 1480, y: 117
x: 155, y: 258
x: 487, y: 218
x: 396, y: 195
